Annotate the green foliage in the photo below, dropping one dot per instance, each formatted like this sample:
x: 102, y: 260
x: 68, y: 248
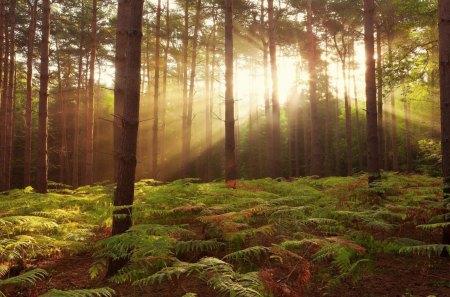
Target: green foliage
x: 334, y: 221
x: 216, y: 273
x: 430, y: 157
x: 29, y: 277
x: 101, y: 292
x: 427, y: 250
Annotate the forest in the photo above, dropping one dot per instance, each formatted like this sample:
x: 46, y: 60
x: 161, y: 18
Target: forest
x: 242, y: 148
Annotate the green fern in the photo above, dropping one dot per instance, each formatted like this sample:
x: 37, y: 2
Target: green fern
x: 101, y: 292
x: 247, y: 254
x: 182, y: 247
x: 428, y: 250
x: 434, y: 226
x: 29, y: 277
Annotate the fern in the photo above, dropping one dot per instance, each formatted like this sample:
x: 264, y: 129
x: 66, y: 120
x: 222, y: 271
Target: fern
x: 101, y: 292
x: 182, y: 247
x: 434, y: 226
x: 29, y: 277
x: 246, y: 254
x: 428, y: 250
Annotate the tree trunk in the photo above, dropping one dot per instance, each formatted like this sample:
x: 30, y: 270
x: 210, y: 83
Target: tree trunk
x: 395, y: 165
x: 89, y: 150
x: 348, y: 119
x: 306, y: 138
x: 154, y: 165
x: 188, y: 132
x: 327, y: 162
x: 444, y: 74
x: 28, y: 103
x: 124, y: 193
x: 381, y: 147
x: 10, y: 95
x: 63, y: 166
x: 358, y: 128
x: 76, y: 133
x: 120, y: 80
x: 209, y: 136
x: 184, y: 146
x: 267, y: 107
x: 371, y: 93
x: 162, y: 144
x: 42, y: 160
x: 337, y: 131
x: 230, y: 146
x: 276, y: 166
x: 208, y: 113
x: 4, y: 105
x: 316, y: 162
x: 408, y: 136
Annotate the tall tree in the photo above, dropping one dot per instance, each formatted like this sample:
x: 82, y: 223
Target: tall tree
x: 312, y: 61
x: 42, y: 159
x: 124, y: 194
x: 267, y: 105
x: 230, y: 145
x: 4, y: 101
x: 444, y: 74
x: 120, y: 79
x: 89, y: 144
x: 154, y: 165
x: 184, y: 147
x: 276, y: 166
x: 28, y: 104
x: 371, y: 93
x: 165, y: 97
x: 381, y: 136
x: 76, y: 133
x: 10, y: 108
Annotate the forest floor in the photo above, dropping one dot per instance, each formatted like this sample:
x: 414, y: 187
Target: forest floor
x: 303, y: 237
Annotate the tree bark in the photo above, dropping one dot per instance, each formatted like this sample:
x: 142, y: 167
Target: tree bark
x: 63, y: 161
x: 444, y: 74
x: 371, y: 95
x: 28, y: 103
x: 394, y: 140
x: 184, y: 147
x: 316, y: 162
x: 124, y: 193
x: 348, y: 120
x: 154, y: 165
x: 42, y: 159
x: 358, y: 127
x: 4, y: 104
x: 408, y: 136
x: 120, y: 80
x: 230, y: 145
x: 381, y: 147
x: 276, y: 166
x: 10, y: 95
x: 188, y: 132
x: 89, y: 150
x: 76, y: 133
x: 209, y: 131
x: 162, y: 144
x: 326, y: 153
x: 337, y: 131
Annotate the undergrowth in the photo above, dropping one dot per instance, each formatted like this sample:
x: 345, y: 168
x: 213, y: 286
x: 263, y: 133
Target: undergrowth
x: 264, y: 238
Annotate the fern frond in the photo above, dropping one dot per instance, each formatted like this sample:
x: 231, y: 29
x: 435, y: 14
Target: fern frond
x: 246, y: 254
x: 434, y: 226
x: 101, y: 292
x: 29, y: 277
x: 182, y: 247
x: 428, y: 250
